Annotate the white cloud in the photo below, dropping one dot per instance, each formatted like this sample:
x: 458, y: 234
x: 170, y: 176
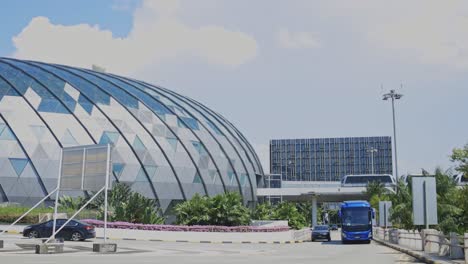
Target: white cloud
x: 434, y: 33
x: 423, y: 31
x: 157, y: 35
x: 296, y: 40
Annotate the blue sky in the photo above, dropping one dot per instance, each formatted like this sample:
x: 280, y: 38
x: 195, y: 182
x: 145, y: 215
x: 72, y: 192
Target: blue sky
x: 277, y: 69
x: 17, y: 14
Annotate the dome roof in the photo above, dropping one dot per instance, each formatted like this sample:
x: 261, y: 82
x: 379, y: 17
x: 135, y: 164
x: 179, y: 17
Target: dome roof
x: 165, y: 145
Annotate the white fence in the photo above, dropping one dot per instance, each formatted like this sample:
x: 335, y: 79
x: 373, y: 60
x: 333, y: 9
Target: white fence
x: 429, y: 240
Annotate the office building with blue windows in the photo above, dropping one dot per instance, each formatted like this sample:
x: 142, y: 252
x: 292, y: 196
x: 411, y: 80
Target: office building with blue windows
x: 165, y: 146
x: 329, y: 159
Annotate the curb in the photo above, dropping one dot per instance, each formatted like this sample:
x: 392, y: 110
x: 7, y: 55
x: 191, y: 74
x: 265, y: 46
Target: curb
x: 412, y: 253
x: 12, y: 232
x: 208, y: 242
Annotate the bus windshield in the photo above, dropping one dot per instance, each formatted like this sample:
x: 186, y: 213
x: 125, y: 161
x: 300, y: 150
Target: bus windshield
x: 356, y: 217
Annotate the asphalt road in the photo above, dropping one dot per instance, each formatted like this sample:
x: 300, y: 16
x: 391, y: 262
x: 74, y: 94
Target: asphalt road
x: 165, y: 252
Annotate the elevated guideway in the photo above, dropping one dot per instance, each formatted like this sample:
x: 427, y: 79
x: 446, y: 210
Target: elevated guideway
x: 314, y: 192
x: 304, y: 191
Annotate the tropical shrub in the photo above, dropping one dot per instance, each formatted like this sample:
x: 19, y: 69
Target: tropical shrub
x: 263, y: 211
x: 298, y: 214
x: 288, y: 211
x: 195, y: 211
x: 452, y: 205
x: 223, y: 209
x: 69, y: 203
x: 123, y: 205
x: 227, y: 209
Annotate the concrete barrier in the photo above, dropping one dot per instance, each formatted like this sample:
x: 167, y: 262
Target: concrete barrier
x: 456, y: 252
x: 268, y: 223
x: 48, y: 248
x: 303, y: 234
x: 418, y: 241
x: 393, y: 236
x: 444, y: 247
x: 412, y: 239
x: 105, y: 247
x: 198, y: 236
x: 431, y: 239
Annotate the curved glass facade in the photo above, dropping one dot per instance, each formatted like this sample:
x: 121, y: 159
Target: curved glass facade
x: 166, y: 146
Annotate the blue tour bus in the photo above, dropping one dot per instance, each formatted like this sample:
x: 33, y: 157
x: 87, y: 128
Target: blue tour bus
x: 356, y: 221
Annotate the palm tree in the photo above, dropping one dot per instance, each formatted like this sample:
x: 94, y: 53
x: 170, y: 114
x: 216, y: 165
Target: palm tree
x: 448, y: 206
x: 375, y: 188
x: 401, y: 212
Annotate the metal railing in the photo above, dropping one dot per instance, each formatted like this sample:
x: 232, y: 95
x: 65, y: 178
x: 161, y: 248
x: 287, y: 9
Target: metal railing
x: 429, y: 241
x: 459, y: 240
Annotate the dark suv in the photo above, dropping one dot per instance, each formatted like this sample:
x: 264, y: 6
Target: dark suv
x: 74, y: 230
x: 321, y: 232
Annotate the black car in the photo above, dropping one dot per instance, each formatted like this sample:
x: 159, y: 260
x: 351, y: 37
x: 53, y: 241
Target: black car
x: 321, y: 232
x: 333, y: 227
x: 74, y: 230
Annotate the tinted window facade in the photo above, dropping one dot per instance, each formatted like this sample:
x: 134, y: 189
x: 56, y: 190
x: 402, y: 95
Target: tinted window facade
x: 329, y: 159
x: 165, y: 146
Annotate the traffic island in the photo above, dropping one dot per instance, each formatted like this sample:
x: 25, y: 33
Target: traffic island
x: 105, y: 247
x: 49, y: 248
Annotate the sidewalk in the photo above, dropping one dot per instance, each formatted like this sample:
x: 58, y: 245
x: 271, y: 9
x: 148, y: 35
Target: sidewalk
x: 420, y: 255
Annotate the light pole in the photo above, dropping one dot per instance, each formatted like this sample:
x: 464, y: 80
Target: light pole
x: 292, y: 171
x: 394, y: 96
x: 371, y: 151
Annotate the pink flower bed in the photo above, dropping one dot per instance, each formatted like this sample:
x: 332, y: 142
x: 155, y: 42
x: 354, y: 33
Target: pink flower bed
x: 125, y: 225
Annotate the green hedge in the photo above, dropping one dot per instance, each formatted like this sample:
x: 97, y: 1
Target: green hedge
x: 10, y: 213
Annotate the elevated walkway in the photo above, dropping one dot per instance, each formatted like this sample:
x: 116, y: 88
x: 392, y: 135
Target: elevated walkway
x: 304, y: 191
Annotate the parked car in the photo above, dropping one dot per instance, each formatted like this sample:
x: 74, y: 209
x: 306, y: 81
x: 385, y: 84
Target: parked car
x: 333, y: 227
x: 321, y: 232
x: 74, y: 230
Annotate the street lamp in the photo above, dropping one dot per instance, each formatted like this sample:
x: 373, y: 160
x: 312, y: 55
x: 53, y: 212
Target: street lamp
x: 290, y: 162
x: 394, y: 96
x: 371, y: 151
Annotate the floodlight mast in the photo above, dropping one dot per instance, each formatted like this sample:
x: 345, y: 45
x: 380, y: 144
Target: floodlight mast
x: 372, y: 151
x: 394, y: 96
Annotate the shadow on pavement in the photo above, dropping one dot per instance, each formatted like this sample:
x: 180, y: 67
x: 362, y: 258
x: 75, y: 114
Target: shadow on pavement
x: 338, y: 242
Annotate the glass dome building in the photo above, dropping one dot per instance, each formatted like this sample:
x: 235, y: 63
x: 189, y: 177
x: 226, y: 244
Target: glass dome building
x: 165, y: 146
